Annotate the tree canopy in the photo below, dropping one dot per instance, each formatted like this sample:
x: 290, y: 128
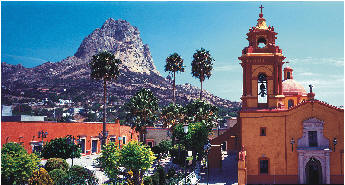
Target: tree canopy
x: 142, y: 109
x: 135, y: 157
x: 172, y: 114
x: 61, y: 148
x: 104, y: 66
x: 201, y: 111
x: 174, y: 63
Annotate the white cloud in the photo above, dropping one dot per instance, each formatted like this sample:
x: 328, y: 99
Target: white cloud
x: 226, y: 68
x: 311, y: 60
x: 307, y: 74
x: 24, y: 59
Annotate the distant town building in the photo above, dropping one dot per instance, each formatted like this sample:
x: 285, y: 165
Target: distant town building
x: 22, y: 118
x: 27, y: 134
x: 6, y: 110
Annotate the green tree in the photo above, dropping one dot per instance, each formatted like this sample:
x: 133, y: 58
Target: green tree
x: 61, y: 148
x: 135, y: 157
x: 201, y: 111
x: 195, y: 139
x: 174, y: 63
x: 165, y: 146
x: 17, y: 165
x: 202, y: 65
x: 171, y: 115
x: 141, y: 111
x: 104, y: 67
x: 162, y: 149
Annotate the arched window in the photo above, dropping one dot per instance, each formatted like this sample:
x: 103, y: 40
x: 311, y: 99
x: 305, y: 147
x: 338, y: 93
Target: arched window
x: 261, y: 42
x: 290, y: 103
x: 262, y: 88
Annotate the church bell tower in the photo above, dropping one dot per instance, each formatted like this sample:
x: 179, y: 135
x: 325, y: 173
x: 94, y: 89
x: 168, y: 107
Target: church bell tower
x: 262, y: 63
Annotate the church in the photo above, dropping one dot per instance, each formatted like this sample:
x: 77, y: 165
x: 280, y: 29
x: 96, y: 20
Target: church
x: 288, y: 135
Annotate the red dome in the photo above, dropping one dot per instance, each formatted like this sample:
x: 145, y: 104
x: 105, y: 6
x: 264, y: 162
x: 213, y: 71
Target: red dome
x: 291, y: 87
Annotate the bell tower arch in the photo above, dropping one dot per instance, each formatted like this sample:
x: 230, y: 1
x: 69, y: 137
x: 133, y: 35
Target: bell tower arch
x: 262, y: 58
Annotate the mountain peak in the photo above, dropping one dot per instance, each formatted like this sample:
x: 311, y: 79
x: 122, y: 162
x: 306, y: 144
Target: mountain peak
x: 123, y: 40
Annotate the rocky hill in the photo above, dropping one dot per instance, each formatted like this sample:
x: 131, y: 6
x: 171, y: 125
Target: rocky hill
x: 70, y: 78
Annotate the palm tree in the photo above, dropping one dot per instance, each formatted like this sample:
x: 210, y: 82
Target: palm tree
x: 142, y: 111
x: 104, y: 67
x: 202, y: 66
x: 174, y: 63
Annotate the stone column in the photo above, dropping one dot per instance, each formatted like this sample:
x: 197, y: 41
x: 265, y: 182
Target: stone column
x: 300, y: 168
x: 327, y: 176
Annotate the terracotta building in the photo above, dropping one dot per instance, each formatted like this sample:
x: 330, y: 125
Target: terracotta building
x: 288, y: 135
x: 29, y: 134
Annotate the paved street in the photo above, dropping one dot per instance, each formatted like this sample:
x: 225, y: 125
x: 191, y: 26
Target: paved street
x: 89, y: 163
x: 227, y: 175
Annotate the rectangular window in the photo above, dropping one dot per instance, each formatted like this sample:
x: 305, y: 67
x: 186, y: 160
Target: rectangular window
x: 82, y: 145
x: 124, y: 140
x: 112, y: 139
x: 150, y: 143
x: 94, y: 146
x: 262, y: 131
x: 312, y: 136
x: 37, y: 148
x: 264, y: 166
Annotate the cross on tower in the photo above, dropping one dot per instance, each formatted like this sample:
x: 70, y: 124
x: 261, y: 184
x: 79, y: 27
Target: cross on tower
x: 261, y: 7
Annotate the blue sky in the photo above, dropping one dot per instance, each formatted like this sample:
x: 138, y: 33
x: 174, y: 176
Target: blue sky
x: 311, y: 35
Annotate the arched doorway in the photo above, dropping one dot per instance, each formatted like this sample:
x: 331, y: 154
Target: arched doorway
x: 313, y: 171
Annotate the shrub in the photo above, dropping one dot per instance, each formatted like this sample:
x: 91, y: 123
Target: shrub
x: 56, y: 163
x: 40, y: 176
x: 17, y: 165
x: 151, y: 180
x: 171, y: 172
x: 161, y: 175
x: 79, y: 175
x: 57, y: 175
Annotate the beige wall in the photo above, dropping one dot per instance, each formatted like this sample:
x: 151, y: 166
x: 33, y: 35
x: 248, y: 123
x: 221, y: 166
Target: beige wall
x: 281, y: 126
x: 157, y: 135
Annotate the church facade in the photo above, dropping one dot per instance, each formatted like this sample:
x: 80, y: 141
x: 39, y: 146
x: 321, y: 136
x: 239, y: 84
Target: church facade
x: 288, y: 135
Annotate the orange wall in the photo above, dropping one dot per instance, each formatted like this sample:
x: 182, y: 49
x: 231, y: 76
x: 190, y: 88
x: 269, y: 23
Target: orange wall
x: 281, y: 126
x: 12, y: 131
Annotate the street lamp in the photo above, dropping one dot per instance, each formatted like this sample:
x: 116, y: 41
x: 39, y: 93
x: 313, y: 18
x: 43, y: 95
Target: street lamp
x: 103, y: 136
x: 334, y: 143
x: 120, y: 139
x: 42, y: 134
x: 207, y: 148
x: 71, y: 140
x: 185, y: 130
x: 292, y: 141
